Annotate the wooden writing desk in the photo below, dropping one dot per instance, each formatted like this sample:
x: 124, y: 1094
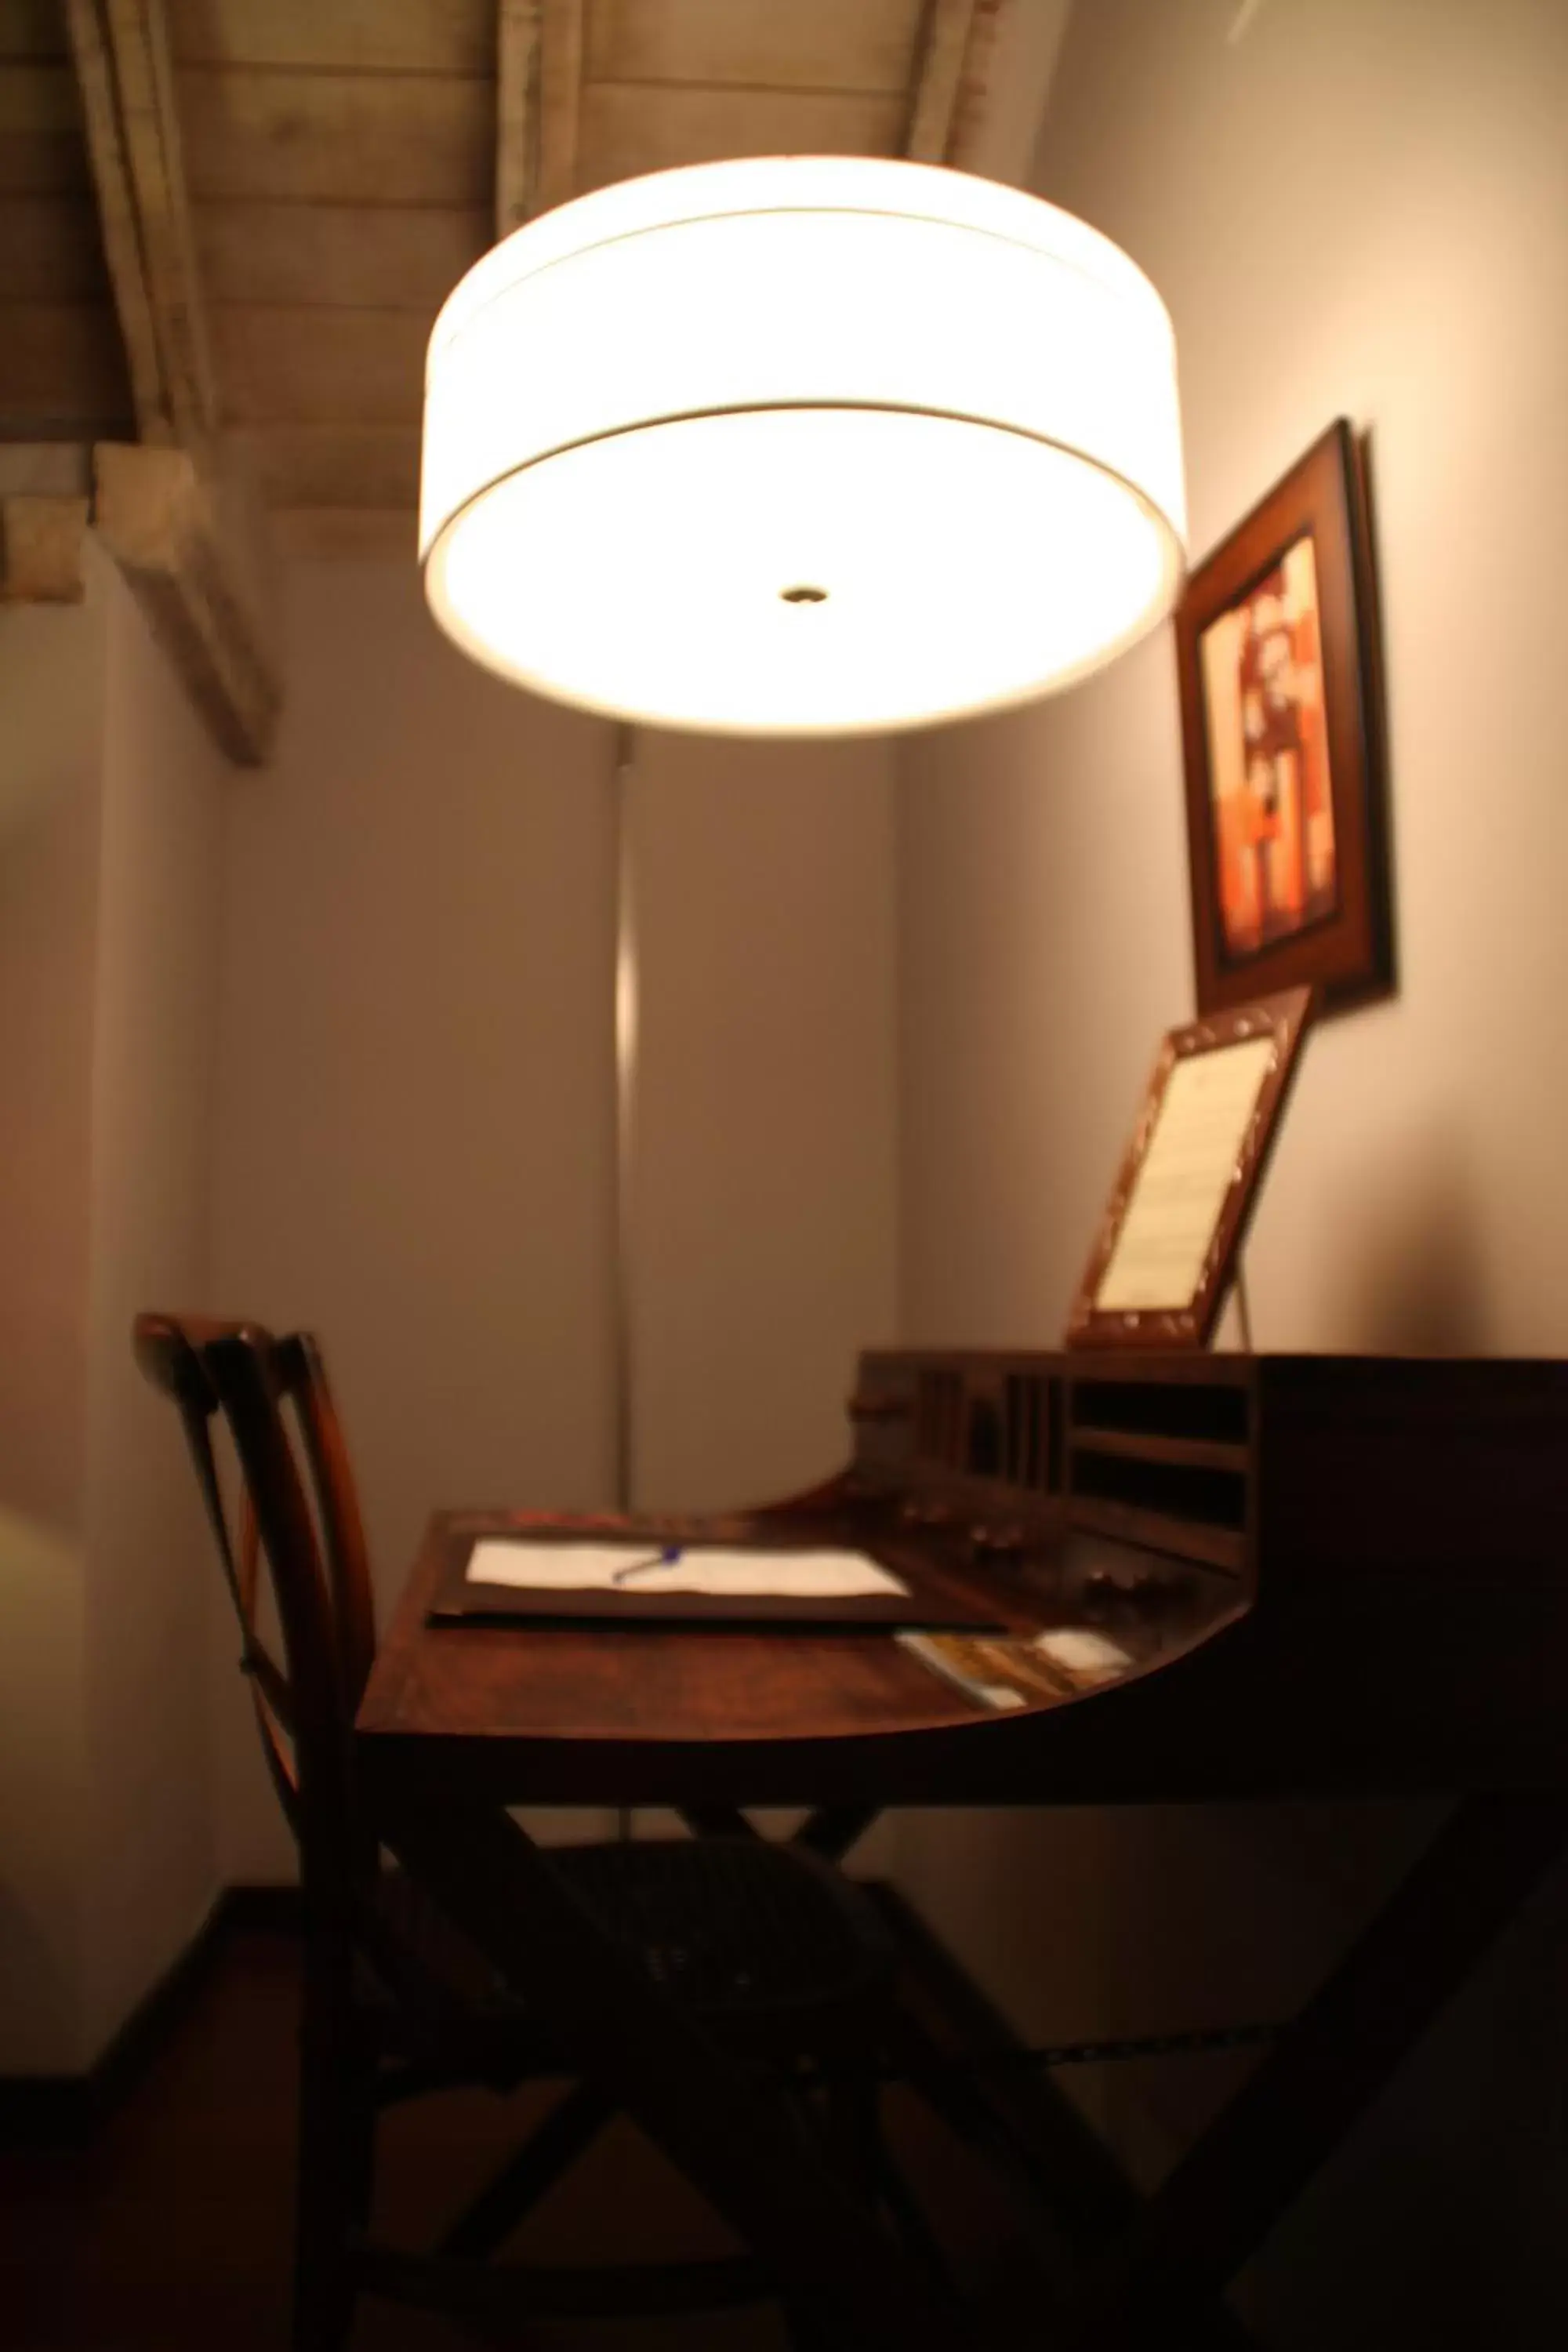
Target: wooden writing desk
x: 1333, y: 1577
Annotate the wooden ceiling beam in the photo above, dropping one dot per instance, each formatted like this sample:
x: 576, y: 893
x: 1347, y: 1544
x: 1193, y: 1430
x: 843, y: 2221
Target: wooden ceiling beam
x: 559, y: 102
x: 939, y: 79
x: 121, y: 57
x: 983, y: 82
x: 517, y: 68
x: 539, y: 107
x: 117, y: 218
x: 187, y: 542
x: 1002, y: 97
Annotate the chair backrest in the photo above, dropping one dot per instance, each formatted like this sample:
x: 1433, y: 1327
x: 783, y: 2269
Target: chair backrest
x: 299, y: 1517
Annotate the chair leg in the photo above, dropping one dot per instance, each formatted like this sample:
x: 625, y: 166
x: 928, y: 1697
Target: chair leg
x: 335, y: 2173
x: 854, y: 2111
x: 570, y: 2127
x: 806, y: 2333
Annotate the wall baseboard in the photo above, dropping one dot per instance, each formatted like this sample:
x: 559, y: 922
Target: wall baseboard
x: 64, y: 2110
x: 261, y: 1910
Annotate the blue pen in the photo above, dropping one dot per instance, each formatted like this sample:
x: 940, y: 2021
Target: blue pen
x: 664, y: 1558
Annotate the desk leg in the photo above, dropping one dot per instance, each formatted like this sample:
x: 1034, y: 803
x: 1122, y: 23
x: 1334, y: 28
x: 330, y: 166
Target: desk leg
x: 718, y: 1822
x: 723, y: 2123
x: 1223, y: 2198
x: 830, y: 1832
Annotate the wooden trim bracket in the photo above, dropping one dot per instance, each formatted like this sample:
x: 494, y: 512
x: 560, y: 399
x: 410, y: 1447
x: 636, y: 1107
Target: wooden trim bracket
x: 44, y: 502
x: 184, y: 549
x: 40, y: 549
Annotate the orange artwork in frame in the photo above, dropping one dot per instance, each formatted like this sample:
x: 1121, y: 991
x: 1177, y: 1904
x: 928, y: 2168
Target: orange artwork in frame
x: 1282, y: 742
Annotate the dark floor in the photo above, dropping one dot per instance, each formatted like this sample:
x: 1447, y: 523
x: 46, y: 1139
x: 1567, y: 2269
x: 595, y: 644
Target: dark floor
x: 171, y: 2228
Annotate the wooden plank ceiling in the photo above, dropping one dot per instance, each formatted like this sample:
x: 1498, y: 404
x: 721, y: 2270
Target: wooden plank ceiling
x: 62, y: 367
x: 340, y: 163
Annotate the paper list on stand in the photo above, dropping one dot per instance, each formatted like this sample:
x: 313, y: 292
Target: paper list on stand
x: 1169, y: 1223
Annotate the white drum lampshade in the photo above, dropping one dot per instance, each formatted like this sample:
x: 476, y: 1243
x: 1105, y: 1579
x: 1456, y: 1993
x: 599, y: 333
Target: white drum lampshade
x: 801, y: 446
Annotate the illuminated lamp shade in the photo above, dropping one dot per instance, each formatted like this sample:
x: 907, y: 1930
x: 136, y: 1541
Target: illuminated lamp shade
x: 801, y: 446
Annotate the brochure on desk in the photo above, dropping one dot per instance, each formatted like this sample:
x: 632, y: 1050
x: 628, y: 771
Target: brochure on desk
x: 495, y: 1577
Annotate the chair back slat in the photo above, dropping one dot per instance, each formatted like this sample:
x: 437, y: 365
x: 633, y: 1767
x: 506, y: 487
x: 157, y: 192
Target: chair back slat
x: 299, y: 1520
x: 247, y: 1566
x: 348, y: 1562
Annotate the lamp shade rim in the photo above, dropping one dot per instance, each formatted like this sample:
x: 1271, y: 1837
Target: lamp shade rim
x: 612, y: 689
x: 1170, y: 525
x: 889, y: 187
x: 1017, y: 697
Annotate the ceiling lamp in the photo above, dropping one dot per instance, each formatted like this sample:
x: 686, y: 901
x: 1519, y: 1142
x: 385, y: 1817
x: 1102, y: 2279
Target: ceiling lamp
x: 801, y: 446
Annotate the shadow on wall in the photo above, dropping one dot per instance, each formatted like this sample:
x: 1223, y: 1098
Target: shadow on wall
x: 1131, y: 1921
x: 1440, y: 2222
x: 1409, y: 1276
x: 42, y: 1797
x: 38, y: 1993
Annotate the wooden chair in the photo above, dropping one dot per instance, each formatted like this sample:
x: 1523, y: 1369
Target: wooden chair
x: 766, y: 1946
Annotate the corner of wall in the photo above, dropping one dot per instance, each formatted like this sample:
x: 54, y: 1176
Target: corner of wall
x: 52, y: 686
x: 148, y: 1584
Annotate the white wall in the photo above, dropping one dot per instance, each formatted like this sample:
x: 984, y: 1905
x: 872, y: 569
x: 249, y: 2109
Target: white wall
x: 414, y: 1134
x: 1361, y: 207
x: 109, y: 810
x: 764, y: 1233
x: 149, y: 1579
x: 764, y: 1228
x: 52, y: 664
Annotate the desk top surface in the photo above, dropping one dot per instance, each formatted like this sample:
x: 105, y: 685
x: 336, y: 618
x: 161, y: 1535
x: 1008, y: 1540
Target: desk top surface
x: 641, y: 1685
x: 1393, y: 1687
x: 596, y: 1713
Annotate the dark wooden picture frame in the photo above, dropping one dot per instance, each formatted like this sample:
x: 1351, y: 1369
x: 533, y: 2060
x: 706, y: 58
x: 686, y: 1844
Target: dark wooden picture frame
x: 1277, y: 657
x: 1189, y: 1322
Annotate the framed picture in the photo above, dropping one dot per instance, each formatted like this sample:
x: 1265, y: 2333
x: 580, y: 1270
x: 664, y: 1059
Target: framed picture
x: 1282, y: 737
x: 1167, y: 1245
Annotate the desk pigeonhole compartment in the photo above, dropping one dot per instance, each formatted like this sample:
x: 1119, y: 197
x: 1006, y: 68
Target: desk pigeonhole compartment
x: 1163, y: 1462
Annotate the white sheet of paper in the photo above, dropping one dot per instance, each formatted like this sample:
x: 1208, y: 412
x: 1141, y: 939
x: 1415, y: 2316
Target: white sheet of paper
x: 601, y: 1568
x: 1082, y: 1651
x: 1169, y: 1222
